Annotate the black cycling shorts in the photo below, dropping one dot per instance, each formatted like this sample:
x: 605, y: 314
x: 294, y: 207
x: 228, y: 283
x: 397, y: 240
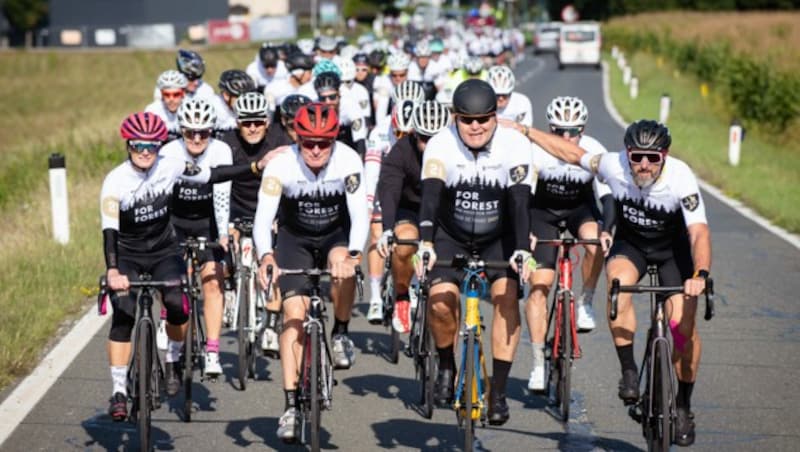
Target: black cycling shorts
x: 545, y: 226
x: 675, y: 264
x: 406, y: 216
x: 199, y: 228
x: 447, y: 247
x: 298, y: 251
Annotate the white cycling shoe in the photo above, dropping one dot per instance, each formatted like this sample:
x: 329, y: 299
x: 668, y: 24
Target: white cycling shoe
x: 375, y: 312
x: 536, y: 381
x: 585, y: 317
x: 212, y: 366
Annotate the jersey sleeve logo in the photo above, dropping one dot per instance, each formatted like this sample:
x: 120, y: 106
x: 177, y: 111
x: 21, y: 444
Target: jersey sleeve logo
x: 357, y: 125
x: 691, y: 202
x: 518, y: 173
x: 594, y: 163
x: 434, y: 169
x: 520, y: 117
x: 191, y: 169
x: 271, y: 186
x: 110, y: 207
x: 352, y: 182
x: 363, y: 103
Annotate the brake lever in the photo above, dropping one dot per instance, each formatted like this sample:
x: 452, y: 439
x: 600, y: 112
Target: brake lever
x: 614, y: 295
x: 709, y: 299
x: 360, y: 283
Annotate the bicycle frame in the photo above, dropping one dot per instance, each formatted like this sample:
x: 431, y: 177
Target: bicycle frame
x: 474, y: 288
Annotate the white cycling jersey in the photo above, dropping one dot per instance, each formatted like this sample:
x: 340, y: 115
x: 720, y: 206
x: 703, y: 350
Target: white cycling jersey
x: 431, y: 72
x: 226, y: 117
x: 359, y: 95
x: 312, y: 204
x: 257, y: 72
x: 380, y: 142
x: 562, y: 185
x: 519, y: 109
x: 170, y: 119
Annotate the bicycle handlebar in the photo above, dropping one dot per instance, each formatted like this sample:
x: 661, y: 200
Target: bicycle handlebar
x: 616, y: 288
x: 102, y: 308
x: 319, y: 272
x: 199, y: 243
x: 568, y: 241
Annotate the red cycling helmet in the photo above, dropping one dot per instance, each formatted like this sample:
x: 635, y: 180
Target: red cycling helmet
x: 316, y: 121
x: 143, y: 126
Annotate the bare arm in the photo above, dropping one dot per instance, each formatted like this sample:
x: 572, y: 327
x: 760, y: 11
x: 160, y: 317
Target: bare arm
x: 555, y: 145
x: 700, y: 239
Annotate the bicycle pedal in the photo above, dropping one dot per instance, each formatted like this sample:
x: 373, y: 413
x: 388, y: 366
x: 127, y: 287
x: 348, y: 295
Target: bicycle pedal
x: 635, y: 413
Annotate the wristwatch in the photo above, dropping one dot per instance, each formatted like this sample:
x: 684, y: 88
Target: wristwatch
x: 354, y: 254
x: 701, y: 273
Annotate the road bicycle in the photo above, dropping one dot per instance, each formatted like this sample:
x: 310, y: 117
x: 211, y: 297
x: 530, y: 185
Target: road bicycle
x: 388, y: 296
x: 421, y: 348
x: 562, y: 345
x: 656, y: 409
x: 145, y: 371
x: 315, y: 385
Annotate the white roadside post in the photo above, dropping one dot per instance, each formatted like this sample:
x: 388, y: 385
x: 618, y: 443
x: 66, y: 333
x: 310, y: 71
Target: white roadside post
x: 621, y: 61
x: 614, y: 52
x: 735, y: 137
x: 666, y: 103
x: 626, y: 75
x: 634, y: 88
x: 58, y: 198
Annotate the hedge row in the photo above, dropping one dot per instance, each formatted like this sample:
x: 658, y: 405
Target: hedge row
x: 756, y: 91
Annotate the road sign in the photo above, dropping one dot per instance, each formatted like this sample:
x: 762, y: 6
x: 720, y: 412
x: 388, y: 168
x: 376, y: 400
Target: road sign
x: 569, y: 14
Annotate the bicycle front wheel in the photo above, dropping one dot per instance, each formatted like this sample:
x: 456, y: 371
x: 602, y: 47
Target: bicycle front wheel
x: 315, y: 384
x: 243, y: 330
x: 565, y: 359
x: 188, y: 364
x: 663, y: 400
x: 144, y: 355
x: 470, y: 392
x: 429, y: 373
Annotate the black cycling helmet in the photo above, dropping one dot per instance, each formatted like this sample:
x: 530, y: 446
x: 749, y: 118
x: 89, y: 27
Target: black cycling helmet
x: 190, y: 64
x: 377, y: 58
x: 292, y: 103
x: 361, y: 58
x: 268, y: 54
x: 327, y: 81
x: 474, y: 97
x: 648, y: 135
x: 299, y: 60
x: 236, y: 82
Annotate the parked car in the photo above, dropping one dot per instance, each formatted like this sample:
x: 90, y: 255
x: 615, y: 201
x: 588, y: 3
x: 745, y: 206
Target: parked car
x: 545, y: 38
x: 579, y: 44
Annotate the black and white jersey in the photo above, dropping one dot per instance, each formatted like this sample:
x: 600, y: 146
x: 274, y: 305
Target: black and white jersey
x: 476, y: 197
x: 170, y: 119
x: 561, y: 186
x: 311, y: 204
x: 257, y: 72
x: 650, y: 218
x: 519, y: 109
x: 399, y: 183
x: 136, y: 203
x: 226, y: 117
x: 207, y: 205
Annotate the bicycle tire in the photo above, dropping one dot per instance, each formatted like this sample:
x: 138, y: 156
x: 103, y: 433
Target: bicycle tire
x: 430, y: 374
x: 565, y: 359
x: 188, y: 365
x: 661, y: 437
x: 243, y: 333
x: 315, y: 386
x: 470, y: 392
x: 144, y: 396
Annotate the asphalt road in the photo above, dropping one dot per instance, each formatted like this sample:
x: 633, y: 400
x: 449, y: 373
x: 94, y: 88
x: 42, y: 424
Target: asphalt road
x: 745, y: 397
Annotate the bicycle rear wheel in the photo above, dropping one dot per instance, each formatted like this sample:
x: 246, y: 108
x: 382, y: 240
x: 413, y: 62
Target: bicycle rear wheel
x: 470, y: 392
x: 315, y: 386
x: 565, y: 360
x: 429, y: 374
x: 243, y: 329
x: 144, y: 355
x: 663, y: 401
x: 188, y: 365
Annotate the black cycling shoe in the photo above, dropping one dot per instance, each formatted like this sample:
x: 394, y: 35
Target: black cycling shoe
x: 684, y: 428
x: 629, y: 387
x: 498, y: 409
x: 118, y: 407
x: 443, y: 388
x: 173, y: 379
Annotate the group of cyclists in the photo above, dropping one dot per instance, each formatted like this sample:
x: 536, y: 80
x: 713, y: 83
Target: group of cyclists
x: 332, y: 149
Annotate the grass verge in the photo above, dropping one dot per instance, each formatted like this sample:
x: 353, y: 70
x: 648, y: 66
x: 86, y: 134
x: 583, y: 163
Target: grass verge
x: 768, y: 175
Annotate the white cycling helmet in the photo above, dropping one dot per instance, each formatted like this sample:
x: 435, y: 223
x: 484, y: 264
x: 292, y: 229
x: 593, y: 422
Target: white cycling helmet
x: 172, y: 79
x: 398, y: 62
x: 197, y: 114
x: 408, y: 90
x: 252, y: 105
x: 430, y: 117
x: 445, y: 97
x: 348, y: 68
x: 348, y: 51
x: 502, y: 79
x: 306, y: 46
x: 566, y: 111
x: 474, y: 65
x: 403, y: 115
x: 422, y: 49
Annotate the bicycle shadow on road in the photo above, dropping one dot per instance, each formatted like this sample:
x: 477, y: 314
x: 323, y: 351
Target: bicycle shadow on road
x: 419, y: 435
x: 265, y: 428
x: 109, y: 435
x: 201, y: 400
x: 230, y: 369
x: 376, y: 343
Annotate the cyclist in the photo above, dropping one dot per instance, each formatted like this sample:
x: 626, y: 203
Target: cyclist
x: 399, y: 194
x: 191, y: 64
x: 318, y: 194
x: 252, y: 141
x: 661, y: 220
x: 398, y: 73
x: 471, y: 69
x: 564, y: 193
x: 356, y: 91
x: 289, y: 108
x: 139, y: 237
x: 266, y: 67
x: 326, y: 47
x: 352, y: 126
x: 423, y: 69
x: 200, y: 210
x: 298, y: 82
x: 511, y: 104
x: 475, y: 190
x: 232, y: 84
x: 171, y: 85
x: 366, y: 78
x: 382, y: 138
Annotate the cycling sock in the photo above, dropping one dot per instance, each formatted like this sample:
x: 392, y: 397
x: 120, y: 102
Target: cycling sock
x: 500, y: 371
x: 375, y: 288
x: 289, y: 398
x: 684, y: 398
x: 538, y: 354
x: 339, y: 327
x: 272, y: 319
x: 212, y: 346
x: 402, y: 297
x: 588, y: 296
x: 119, y: 379
x: 173, y: 351
x: 625, y: 354
x: 446, y: 359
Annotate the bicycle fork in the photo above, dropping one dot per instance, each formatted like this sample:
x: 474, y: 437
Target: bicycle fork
x: 478, y: 389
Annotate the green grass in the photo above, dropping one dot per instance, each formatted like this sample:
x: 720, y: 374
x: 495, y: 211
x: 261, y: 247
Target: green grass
x: 768, y: 176
x: 71, y: 102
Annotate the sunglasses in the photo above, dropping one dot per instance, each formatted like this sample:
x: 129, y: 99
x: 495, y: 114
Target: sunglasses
x: 362, y: 69
x: 191, y: 134
x: 570, y: 131
x: 171, y: 94
x: 502, y: 96
x: 398, y: 74
x: 328, y: 97
x: 192, y: 78
x: 652, y: 157
x: 139, y: 147
x: 249, y: 123
x: 311, y: 144
x: 470, y: 119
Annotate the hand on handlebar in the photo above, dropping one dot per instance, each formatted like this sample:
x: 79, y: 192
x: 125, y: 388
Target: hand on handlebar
x: 263, y: 277
x: 605, y: 242
x: 345, y: 268
x: 116, y: 280
x: 383, y: 243
x: 423, y: 249
x: 528, y: 263
x: 693, y: 287
x: 223, y: 242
